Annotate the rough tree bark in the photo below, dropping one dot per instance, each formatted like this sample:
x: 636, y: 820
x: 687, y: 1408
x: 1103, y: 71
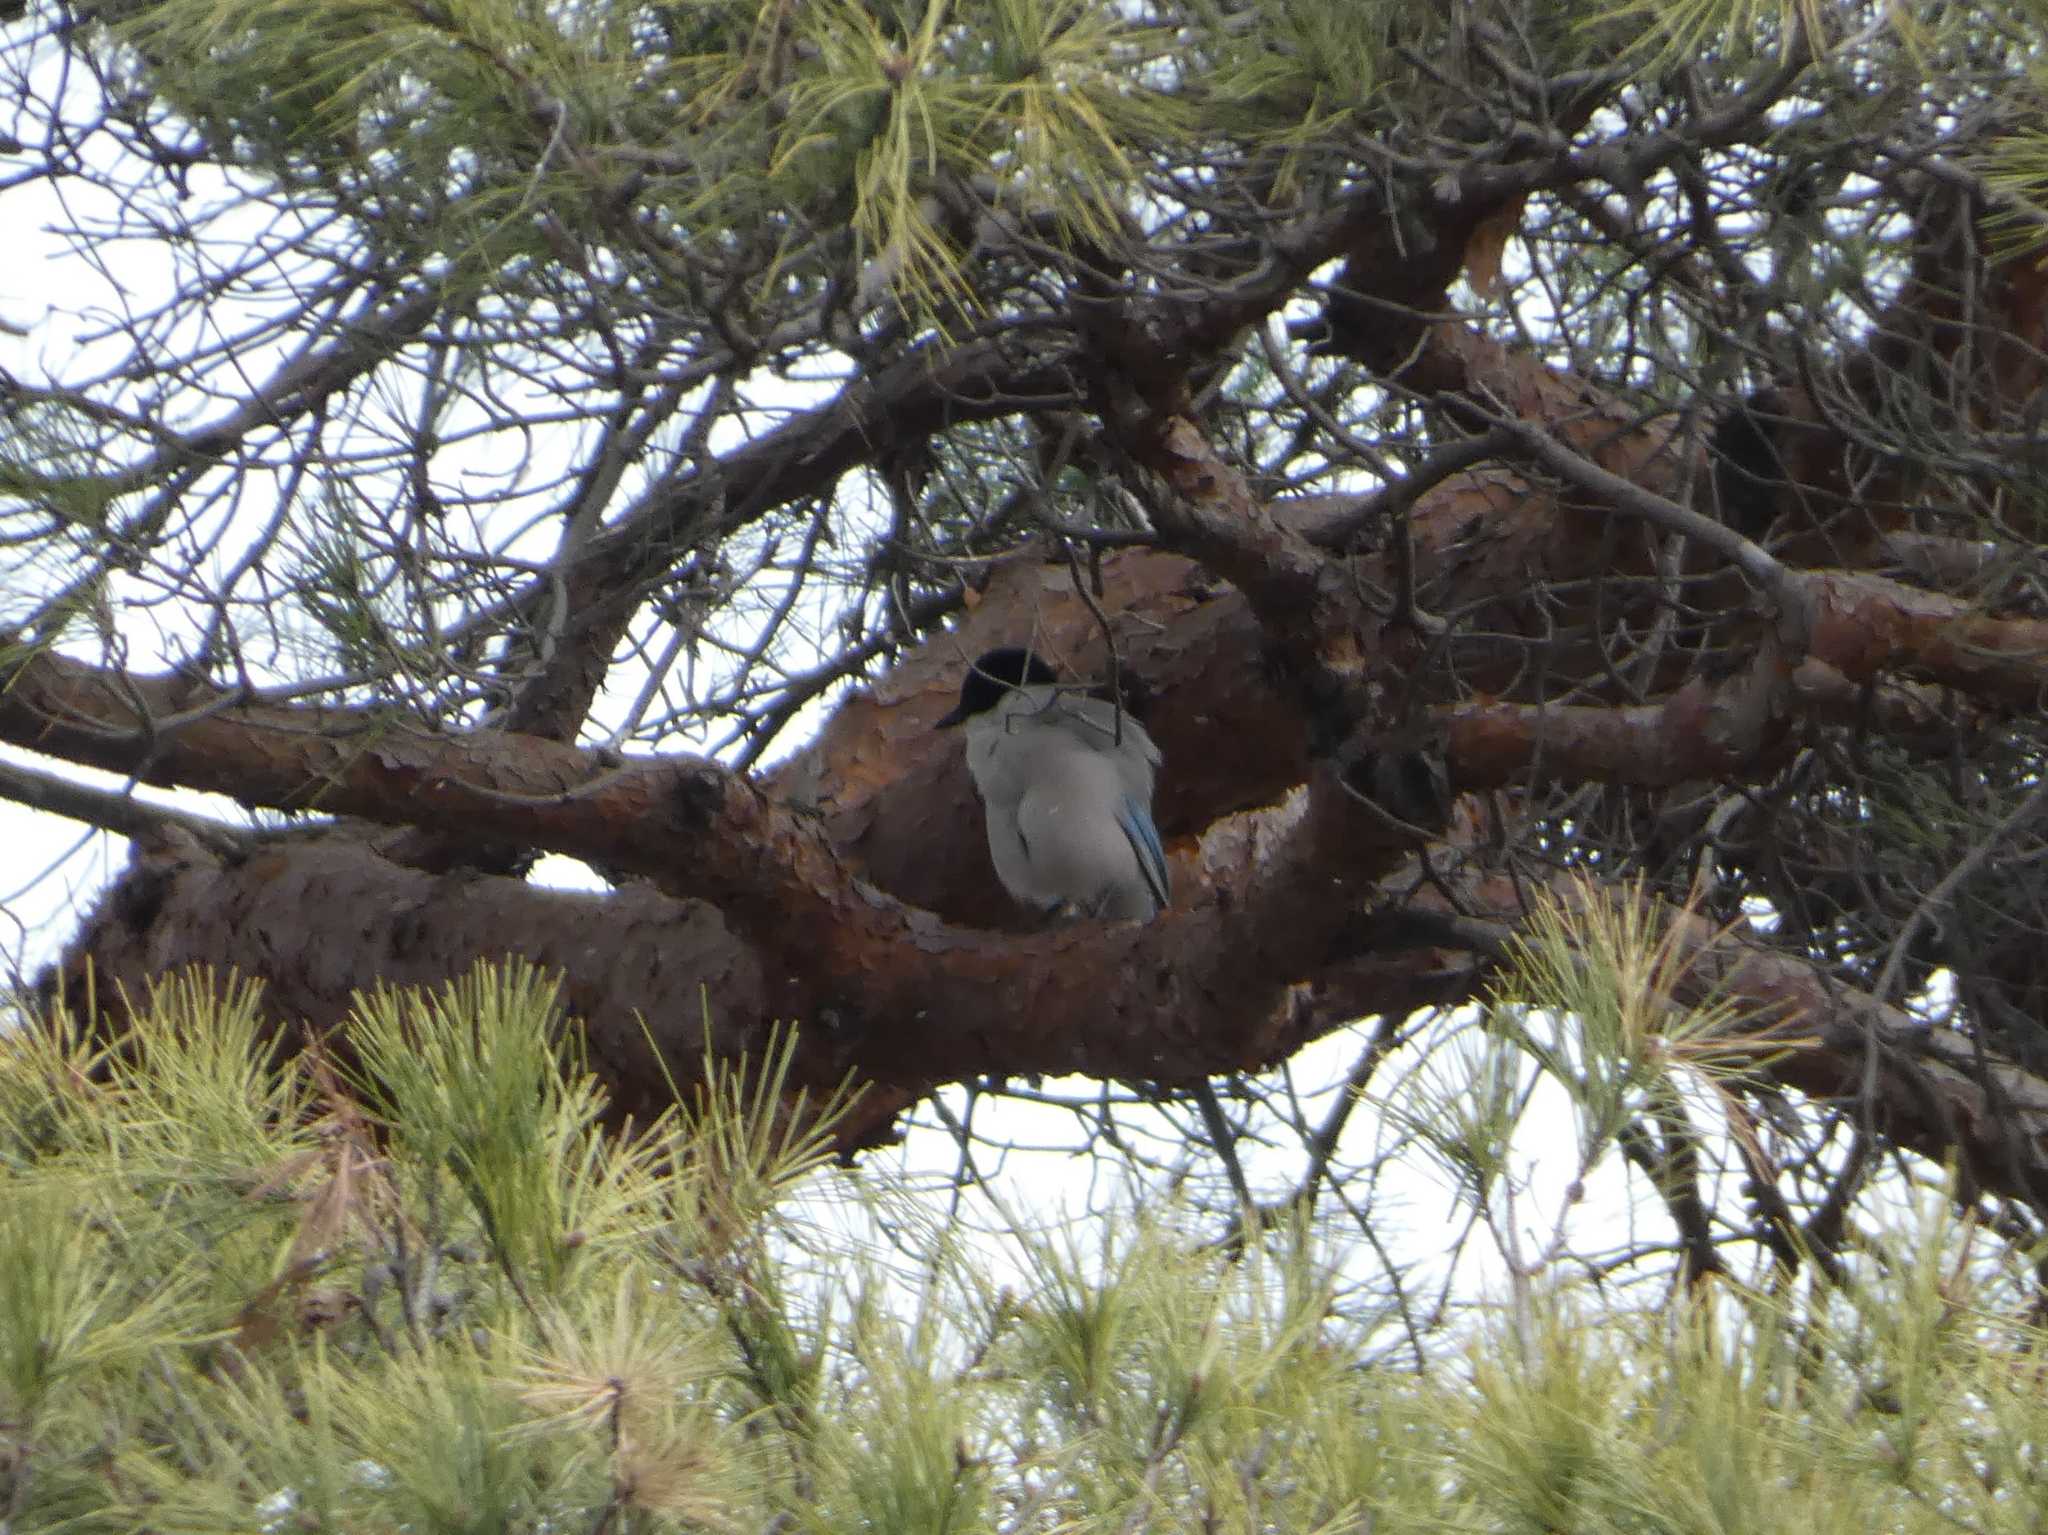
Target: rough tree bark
x: 1293, y: 668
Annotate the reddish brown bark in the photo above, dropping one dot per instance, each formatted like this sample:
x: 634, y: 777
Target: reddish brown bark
x: 796, y: 934
x: 824, y: 893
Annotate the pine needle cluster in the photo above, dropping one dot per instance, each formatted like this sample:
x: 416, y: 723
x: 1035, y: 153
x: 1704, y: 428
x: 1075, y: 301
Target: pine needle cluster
x: 432, y: 1290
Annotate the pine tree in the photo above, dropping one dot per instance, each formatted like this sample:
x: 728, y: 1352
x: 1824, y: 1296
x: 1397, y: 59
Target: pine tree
x: 1554, y: 479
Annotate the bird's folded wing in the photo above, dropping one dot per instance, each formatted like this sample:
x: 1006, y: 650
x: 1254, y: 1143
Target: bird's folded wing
x: 1136, y: 822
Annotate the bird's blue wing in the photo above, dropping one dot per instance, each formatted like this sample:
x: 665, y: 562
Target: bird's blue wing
x: 1136, y: 822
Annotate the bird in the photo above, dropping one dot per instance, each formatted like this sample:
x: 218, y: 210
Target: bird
x: 1066, y: 782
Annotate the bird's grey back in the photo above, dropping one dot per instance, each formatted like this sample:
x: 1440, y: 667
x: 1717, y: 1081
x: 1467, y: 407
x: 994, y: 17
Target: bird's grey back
x: 1055, y: 718
x: 1068, y: 791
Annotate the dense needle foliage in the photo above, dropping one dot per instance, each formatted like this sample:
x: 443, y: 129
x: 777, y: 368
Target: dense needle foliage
x: 432, y: 1294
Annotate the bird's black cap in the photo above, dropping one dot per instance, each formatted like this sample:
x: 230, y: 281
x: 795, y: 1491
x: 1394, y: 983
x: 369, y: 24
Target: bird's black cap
x: 993, y: 676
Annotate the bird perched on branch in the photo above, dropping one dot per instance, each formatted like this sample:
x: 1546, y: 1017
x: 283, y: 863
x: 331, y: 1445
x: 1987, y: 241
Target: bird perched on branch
x: 1066, y: 781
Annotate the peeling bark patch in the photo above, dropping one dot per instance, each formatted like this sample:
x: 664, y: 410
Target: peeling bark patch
x: 1867, y: 625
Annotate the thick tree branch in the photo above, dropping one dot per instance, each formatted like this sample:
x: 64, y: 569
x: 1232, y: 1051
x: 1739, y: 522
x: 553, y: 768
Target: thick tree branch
x: 888, y: 991
x: 1930, y: 1090
x: 884, y: 994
